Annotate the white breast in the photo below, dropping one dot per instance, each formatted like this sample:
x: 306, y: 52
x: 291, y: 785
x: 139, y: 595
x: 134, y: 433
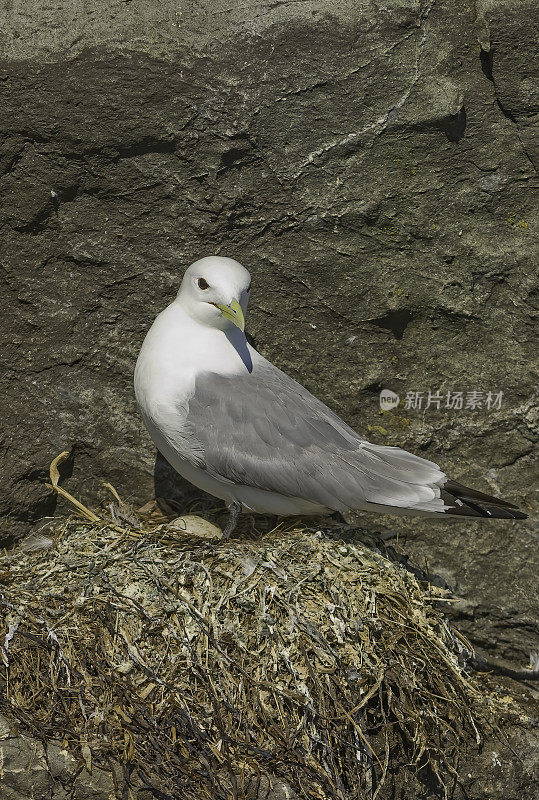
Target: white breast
x: 174, y: 351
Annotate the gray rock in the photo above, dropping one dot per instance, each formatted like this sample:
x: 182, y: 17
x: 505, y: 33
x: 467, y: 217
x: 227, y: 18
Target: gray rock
x: 62, y: 765
x: 498, y: 774
x: 24, y: 771
x: 7, y: 728
x: 371, y: 165
x: 94, y: 785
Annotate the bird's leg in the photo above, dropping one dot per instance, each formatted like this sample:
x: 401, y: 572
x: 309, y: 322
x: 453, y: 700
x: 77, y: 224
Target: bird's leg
x: 273, y: 522
x: 234, y: 509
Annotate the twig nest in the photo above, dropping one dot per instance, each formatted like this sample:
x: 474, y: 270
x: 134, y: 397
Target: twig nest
x: 207, y: 664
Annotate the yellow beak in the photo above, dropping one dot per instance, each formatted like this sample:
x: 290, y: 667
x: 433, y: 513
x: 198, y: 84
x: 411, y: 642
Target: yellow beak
x: 234, y: 313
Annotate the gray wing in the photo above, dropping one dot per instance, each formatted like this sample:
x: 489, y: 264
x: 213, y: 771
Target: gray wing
x: 265, y: 430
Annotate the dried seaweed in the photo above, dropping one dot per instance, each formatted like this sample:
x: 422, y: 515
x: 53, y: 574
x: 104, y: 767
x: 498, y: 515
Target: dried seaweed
x: 204, y: 665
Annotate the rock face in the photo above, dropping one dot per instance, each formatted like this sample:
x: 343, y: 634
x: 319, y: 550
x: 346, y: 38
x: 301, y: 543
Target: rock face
x: 371, y: 165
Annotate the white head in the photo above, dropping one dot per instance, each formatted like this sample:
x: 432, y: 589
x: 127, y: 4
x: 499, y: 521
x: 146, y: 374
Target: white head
x: 215, y: 292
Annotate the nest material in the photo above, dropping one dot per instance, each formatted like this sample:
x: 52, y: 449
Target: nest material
x: 205, y: 665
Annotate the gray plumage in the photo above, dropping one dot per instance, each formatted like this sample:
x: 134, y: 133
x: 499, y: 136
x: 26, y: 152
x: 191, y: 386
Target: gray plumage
x: 265, y: 430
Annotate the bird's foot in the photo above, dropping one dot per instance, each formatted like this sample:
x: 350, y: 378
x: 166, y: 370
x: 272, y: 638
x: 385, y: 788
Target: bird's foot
x: 235, y: 510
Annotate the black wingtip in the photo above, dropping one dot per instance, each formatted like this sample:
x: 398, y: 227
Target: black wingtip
x: 471, y: 503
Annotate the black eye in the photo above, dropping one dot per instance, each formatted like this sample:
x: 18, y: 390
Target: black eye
x: 202, y: 284
x: 249, y: 288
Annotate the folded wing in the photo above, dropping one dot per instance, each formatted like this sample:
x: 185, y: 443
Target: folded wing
x: 264, y: 430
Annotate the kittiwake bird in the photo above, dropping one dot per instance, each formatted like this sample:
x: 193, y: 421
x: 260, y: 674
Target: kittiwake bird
x: 233, y: 424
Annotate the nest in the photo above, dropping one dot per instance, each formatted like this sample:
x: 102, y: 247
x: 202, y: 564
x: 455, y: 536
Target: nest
x: 203, y: 666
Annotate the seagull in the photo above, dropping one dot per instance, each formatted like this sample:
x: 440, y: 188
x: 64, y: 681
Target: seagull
x: 236, y: 426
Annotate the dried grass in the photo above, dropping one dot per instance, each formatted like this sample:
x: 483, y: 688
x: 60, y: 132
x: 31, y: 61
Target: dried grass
x: 202, y: 665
